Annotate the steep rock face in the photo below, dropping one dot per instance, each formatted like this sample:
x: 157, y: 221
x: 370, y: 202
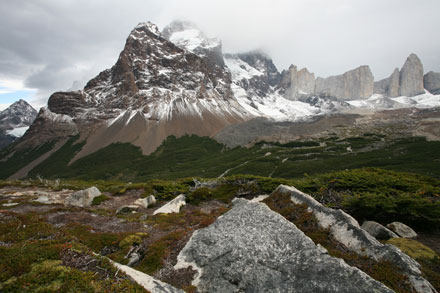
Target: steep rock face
x: 258, y: 73
x: 411, y: 77
x: 14, y: 121
x: 388, y: 87
x: 354, y: 84
x: 253, y: 249
x: 431, y: 81
x: 297, y: 83
x: 154, y: 90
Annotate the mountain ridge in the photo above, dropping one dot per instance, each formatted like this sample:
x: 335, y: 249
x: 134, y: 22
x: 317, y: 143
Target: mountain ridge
x: 157, y: 89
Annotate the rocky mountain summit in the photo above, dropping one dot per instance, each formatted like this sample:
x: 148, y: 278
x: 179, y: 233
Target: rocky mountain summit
x: 15, y: 120
x: 154, y: 90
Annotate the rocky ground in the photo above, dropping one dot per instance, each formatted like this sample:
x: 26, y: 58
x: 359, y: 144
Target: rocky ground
x: 254, y: 246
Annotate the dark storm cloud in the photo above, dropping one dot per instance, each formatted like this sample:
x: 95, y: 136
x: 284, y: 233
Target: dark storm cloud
x: 50, y: 44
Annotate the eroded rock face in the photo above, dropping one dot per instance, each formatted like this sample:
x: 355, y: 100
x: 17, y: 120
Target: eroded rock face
x: 253, y: 249
x: 83, y: 198
x: 388, y: 87
x: 354, y: 84
x: 298, y: 83
x: 431, y: 81
x: 411, y: 77
x: 402, y: 230
x: 378, y: 231
x: 345, y: 229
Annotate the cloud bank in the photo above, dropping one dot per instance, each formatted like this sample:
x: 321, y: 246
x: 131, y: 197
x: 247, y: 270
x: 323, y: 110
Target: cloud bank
x: 49, y: 45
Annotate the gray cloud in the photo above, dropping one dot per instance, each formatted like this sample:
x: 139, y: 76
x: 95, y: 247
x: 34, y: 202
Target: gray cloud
x: 49, y: 44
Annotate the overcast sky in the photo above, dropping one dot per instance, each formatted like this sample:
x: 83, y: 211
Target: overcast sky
x: 47, y: 45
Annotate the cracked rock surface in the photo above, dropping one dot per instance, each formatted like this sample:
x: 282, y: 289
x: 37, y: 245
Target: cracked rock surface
x: 253, y: 249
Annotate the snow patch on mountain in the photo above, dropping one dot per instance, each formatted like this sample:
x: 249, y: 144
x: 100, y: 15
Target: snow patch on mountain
x: 240, y: 69
x: 187, y: 36
x: 380, y: 102
x: 17, y: 132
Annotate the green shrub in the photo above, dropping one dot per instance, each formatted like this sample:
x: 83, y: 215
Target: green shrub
x: 99, y: 199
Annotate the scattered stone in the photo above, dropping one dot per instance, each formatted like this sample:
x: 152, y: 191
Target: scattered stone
x: 172, y: 206
x: 134, y: 258
x: 260, y: 198
x: 148, y: 282
x: 109, y: 249
x: 253, y: 249
x: 402, y: 230
x: 208, y: 184
x: 145, y: 202
x: 345, y: 229
x: 378, y: 231
x: 83, y: 198
x: 10, y: 204
x: 127, y: 209
x: 44, y: 199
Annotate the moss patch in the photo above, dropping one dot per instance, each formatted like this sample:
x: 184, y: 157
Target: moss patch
x: 413, y: 248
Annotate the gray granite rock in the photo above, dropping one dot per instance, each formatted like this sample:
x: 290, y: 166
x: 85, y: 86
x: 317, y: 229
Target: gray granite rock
x: 83, y: 198
x: 354, y: 84
x: 172, y: 206
x: 431, y: 80
x: 345, y: 229
x: 378, y: 231
x: 402, y: 230
x: 149, y: 201
x: 298, y: 83
x: 388, y: 87
x: 127, y: 209
x: 253, y: 249
x: 411, y: 77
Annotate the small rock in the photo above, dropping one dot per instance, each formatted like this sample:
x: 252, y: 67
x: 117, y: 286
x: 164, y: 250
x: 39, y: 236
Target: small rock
x: 11, y: 204
x: 134, y: 258
x: 378, y: 231
x: 402, y: 230
x: 43, y: 199
x: 83, y: 198
x: 172, y: 206
x: 145, y: 202
x: 127, y: 209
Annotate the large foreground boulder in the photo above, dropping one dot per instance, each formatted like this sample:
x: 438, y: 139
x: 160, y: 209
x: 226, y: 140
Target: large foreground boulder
x: 346, y: 230
x: 253, y: 249
x: 83, y: 198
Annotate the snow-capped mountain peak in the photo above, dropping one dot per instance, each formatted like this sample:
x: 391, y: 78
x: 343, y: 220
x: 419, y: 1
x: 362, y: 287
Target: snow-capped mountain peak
x: 150, y: 26
x: 188, y: 36
x: 18, y: 114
